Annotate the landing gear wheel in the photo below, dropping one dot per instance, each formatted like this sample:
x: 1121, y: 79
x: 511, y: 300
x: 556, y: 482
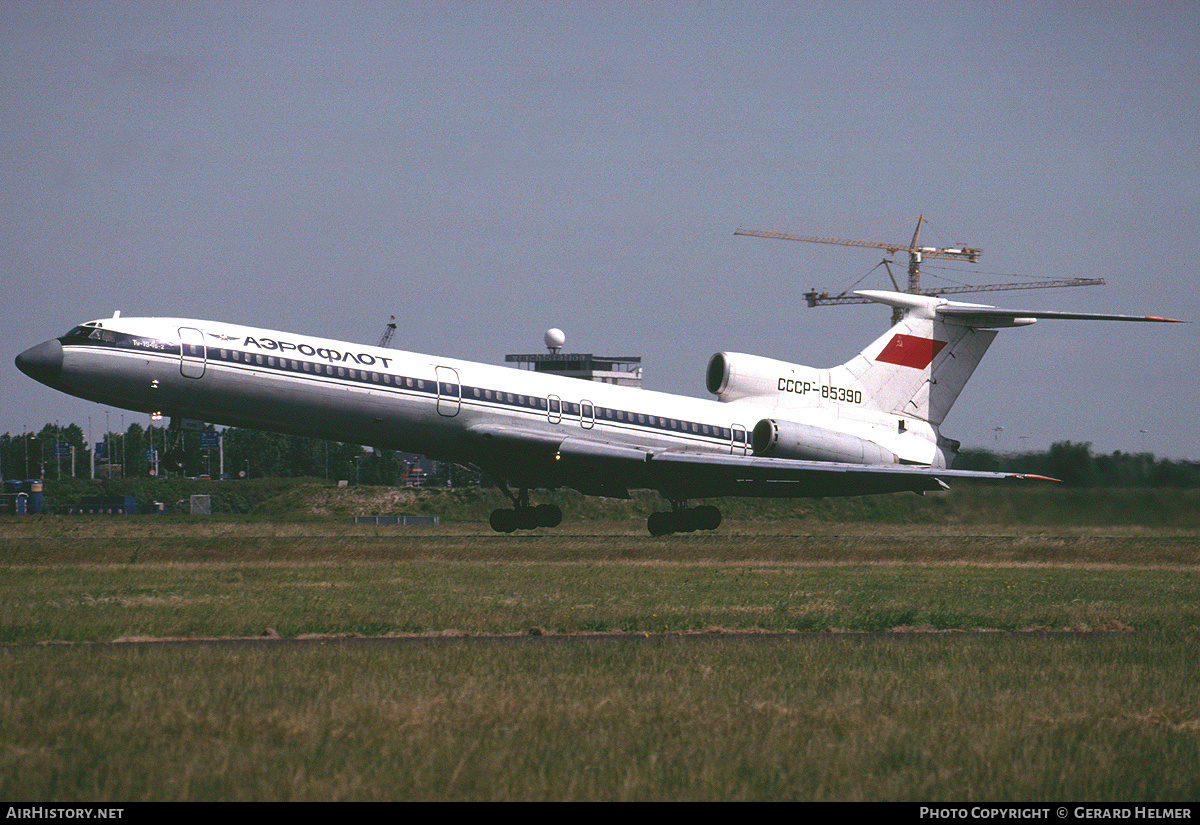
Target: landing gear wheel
x: 660, y: 524
x: 707, y: 517
x: 548, y: 515
x: 684, y: 520
x: 503, y: 521
x: 523, y: 516
x: 526, y: 518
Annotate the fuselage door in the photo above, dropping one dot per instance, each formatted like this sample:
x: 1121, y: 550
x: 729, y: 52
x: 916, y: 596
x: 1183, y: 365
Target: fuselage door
x: 191, y: 352
x: 553, y: 409
x: 740, y: 443
x: 587, y: 414
x: 449, y: 392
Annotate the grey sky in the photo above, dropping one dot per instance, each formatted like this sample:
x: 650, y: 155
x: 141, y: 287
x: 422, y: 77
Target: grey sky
x: 486, y: 170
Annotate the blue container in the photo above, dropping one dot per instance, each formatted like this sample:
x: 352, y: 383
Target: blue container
x: 33, y: 486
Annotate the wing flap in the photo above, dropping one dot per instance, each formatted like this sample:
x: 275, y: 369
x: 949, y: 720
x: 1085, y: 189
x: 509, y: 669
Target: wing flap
x: 542, y: 458
x: 549, y: 458
x: 699, y: 475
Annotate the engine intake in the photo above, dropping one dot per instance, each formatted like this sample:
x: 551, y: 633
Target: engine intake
x: 734, y: 375
x: 789, y: 439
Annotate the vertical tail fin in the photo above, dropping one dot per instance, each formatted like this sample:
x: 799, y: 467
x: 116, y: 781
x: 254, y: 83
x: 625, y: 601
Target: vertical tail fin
x: 921, y: 364
x: 918, y: 367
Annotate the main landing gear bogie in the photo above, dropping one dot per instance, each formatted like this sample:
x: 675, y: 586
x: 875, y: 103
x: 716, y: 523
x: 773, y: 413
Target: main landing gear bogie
x: 523, y: 516
x: 684, y: 520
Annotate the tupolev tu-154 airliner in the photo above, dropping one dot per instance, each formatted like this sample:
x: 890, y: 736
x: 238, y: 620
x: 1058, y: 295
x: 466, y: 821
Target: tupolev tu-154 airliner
x: 775, y: 429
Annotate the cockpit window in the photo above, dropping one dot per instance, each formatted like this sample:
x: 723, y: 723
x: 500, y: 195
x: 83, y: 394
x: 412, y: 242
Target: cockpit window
x: 91, y: 332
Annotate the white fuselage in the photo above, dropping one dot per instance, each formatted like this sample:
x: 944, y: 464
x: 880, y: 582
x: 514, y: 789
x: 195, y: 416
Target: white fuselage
x: 245, y: 376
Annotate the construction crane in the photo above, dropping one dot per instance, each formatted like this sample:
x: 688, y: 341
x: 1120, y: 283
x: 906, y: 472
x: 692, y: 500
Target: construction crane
x: 916, y: 254
x: 388, y: 331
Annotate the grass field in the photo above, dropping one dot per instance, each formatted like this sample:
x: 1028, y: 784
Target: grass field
x: 584, y: 663
x: 819, y: 717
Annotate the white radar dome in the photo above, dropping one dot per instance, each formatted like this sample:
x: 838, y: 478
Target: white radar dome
x: 554, y: 338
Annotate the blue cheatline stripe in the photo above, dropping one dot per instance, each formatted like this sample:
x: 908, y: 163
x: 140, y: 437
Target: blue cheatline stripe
x: 92, y: 337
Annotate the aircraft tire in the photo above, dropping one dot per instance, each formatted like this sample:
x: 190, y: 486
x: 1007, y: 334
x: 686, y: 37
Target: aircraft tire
x: 660, y: 524
x: 503, y: 521
x: 686, y: 521
x: 708, y: 517
x: 526, y: 518
x: 548, y: 515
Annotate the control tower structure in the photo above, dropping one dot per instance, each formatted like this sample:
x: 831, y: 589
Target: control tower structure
x: 625, y: 370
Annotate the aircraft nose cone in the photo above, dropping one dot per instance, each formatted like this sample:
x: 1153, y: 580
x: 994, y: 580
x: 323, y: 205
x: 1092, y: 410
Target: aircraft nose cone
x: 42, y: 363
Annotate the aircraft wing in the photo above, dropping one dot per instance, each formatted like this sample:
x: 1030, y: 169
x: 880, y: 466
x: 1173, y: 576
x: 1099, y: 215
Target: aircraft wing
x: 706, y: 475
x: 599, y: 467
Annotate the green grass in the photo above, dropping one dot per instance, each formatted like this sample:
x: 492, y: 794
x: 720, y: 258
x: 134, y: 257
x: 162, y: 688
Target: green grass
x: 965, y: 718
x: 651, y: 706
x: 240, y: 580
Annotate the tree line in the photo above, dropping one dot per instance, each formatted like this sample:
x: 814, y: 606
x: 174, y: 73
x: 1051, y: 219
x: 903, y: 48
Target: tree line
x: 1074, y: 464
x: 62, y: 451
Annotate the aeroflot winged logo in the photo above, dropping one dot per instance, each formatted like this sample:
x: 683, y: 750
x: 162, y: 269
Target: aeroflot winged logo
x: 910, y: 351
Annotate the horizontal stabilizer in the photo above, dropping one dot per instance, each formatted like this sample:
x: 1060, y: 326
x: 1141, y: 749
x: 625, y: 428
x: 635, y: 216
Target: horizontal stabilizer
x: 982, y: 315
x: 1007, y: 316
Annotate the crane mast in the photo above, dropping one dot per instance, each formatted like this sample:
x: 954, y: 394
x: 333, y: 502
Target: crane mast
x: 916, y: 253
x: 388, y: 331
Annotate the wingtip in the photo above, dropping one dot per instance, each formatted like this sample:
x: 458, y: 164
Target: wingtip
x: 1165, y: 320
